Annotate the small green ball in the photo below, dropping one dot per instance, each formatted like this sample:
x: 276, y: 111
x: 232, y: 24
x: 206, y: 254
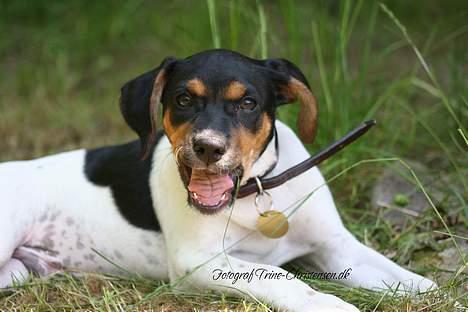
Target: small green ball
x: 401, y: 200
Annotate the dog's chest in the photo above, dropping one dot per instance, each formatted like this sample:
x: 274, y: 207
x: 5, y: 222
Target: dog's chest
x: 252, y: 246
x: 248, y: 243
x: 244, y: 241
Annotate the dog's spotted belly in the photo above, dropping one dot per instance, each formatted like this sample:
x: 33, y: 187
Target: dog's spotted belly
x: 60, y: 240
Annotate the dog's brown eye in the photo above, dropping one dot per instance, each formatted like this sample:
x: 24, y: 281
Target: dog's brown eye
x: 248, y: 103
x: 184, y: 100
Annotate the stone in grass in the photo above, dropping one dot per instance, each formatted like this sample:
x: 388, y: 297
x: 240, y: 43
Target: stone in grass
x: 397, y: 194
x: 451, y: 260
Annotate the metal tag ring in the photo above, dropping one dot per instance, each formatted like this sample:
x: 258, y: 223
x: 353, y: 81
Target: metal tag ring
x: 259, y: 185
x: 257, y: 199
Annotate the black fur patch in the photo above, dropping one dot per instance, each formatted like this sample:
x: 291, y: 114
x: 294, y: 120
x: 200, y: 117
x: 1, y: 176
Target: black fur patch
x: 120, y: 168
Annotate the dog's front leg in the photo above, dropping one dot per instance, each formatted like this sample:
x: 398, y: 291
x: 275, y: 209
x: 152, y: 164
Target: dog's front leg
x: 366, y: 267
x: 270, y: 284
x: 336, y: 250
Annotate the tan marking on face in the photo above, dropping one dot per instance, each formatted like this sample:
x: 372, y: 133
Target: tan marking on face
x: 197, y: 87
x: 234, y: 91
x: 176, y: 134
x: 251, y: 144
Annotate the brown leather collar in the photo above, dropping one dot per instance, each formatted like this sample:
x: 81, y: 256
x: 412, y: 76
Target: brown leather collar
x: 268, y: 183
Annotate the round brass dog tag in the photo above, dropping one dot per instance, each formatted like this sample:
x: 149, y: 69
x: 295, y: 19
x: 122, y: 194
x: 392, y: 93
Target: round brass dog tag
x: 272, y: 224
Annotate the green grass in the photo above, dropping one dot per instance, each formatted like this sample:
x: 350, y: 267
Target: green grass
x: 400, y: 62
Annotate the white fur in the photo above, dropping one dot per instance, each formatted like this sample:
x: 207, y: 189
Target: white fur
x: 49, y: 203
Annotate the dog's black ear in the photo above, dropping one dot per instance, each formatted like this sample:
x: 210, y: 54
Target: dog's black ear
x: 291, y: 85
x: 140, y: 100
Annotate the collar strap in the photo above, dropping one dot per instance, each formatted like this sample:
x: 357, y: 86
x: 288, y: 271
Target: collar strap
x: 251, y: 186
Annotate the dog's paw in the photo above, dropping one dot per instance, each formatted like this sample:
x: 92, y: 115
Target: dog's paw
x: 426, y: 285
x: 329, y: 303
x: 416, y: 284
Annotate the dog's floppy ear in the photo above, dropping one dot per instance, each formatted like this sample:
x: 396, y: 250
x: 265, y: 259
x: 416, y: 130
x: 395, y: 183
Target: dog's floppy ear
x: 292, y: 85
x: 140, y: 100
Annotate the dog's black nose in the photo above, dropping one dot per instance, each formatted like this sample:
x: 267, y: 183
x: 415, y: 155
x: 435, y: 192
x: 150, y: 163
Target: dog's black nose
x: 209, y: 151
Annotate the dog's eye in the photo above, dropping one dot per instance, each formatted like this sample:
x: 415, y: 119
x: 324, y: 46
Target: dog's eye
x: 248, y: 103
x: 184, y: 100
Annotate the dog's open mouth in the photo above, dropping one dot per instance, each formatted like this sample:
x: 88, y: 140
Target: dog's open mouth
x: 209, y: 192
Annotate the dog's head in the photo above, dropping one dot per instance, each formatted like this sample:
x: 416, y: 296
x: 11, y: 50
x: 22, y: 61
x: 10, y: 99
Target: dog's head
x: 218, y: 112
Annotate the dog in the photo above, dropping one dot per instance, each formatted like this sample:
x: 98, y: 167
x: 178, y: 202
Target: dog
x: 165, y: 207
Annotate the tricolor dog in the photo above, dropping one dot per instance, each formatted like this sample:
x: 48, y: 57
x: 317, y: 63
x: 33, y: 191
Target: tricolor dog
x: 164, y: 206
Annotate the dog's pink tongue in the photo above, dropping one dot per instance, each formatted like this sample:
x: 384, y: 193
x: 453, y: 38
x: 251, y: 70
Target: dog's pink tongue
x: 209, y: 188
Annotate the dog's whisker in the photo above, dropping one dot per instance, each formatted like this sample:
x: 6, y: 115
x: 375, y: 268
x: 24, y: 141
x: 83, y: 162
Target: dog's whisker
x: 177, y: 154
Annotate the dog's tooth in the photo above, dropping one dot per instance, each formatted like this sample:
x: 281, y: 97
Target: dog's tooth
x: 223, y: 197
x: 195, y: 195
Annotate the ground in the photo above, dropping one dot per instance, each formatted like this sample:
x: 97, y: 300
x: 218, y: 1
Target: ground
x: 403, y: 63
